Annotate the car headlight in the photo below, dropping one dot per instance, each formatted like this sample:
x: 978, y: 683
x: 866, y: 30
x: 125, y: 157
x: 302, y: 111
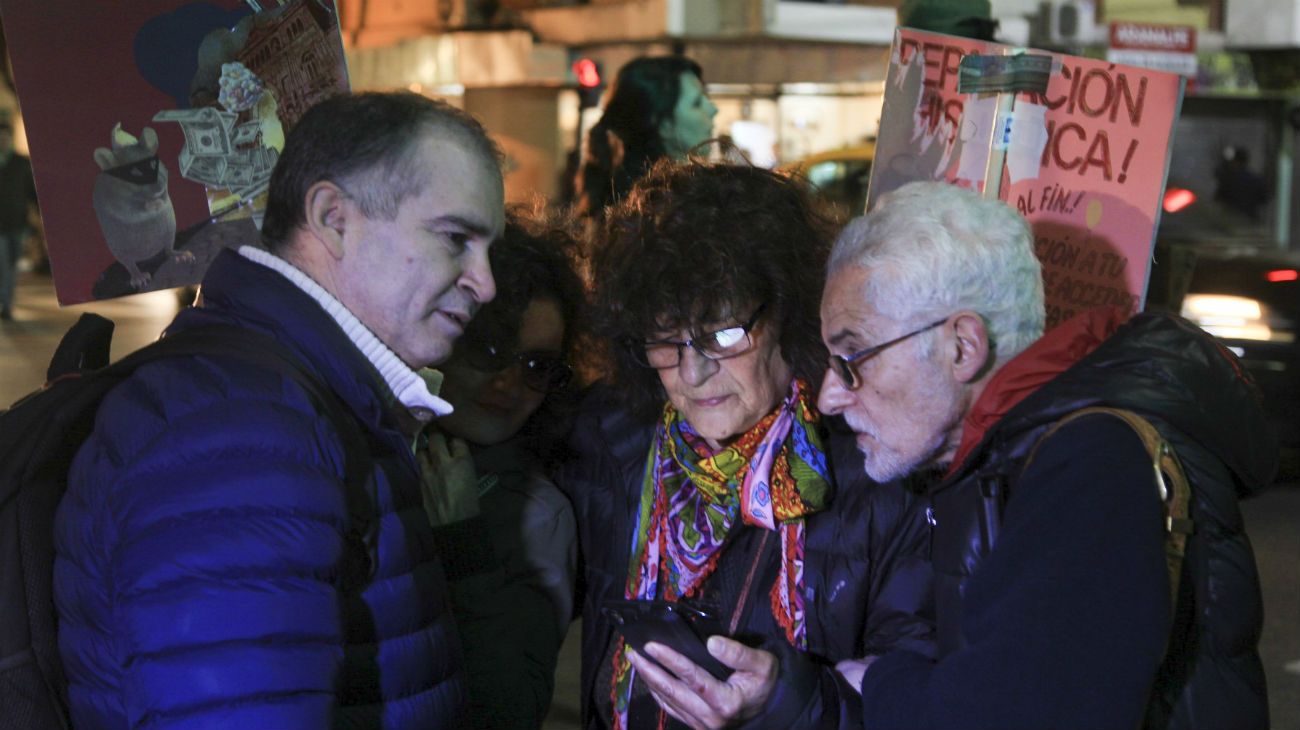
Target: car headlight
x: 1231, y: 317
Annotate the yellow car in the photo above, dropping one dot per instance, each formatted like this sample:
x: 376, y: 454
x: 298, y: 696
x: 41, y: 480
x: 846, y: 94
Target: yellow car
x: 841, y: 176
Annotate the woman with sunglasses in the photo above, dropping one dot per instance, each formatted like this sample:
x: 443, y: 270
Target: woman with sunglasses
x: 506, y: 533
x: 704, y: 475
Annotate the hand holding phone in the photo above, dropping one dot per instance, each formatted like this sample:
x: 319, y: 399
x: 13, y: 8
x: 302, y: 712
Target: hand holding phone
x: 681, y: 628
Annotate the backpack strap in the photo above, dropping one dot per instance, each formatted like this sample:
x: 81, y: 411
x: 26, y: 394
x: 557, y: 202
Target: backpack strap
x: 1170, y: 480
x: 85, y: 346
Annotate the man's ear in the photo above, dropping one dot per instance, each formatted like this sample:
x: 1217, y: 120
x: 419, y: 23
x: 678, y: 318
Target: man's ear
x: 970, y: 346
x: 327, y: 212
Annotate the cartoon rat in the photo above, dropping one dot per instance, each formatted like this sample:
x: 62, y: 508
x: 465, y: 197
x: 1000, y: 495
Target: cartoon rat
x: 132, y: 203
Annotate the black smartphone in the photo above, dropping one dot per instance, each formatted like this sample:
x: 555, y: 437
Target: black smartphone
x: 681, y: 628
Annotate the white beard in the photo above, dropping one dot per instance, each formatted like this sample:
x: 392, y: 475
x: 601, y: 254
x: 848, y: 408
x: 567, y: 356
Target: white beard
x: 888, y: 465
x: 884, y: 463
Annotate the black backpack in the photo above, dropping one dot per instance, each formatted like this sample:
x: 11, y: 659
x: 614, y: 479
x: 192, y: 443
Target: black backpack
x: 39, y: 436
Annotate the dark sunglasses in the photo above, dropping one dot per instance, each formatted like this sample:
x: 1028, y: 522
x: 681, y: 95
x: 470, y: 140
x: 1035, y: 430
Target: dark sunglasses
x: 140, y: 172
x: 544, y: 372
x: 846, y: 367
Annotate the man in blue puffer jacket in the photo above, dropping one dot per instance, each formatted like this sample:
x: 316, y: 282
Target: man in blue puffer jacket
x: 207, y: 547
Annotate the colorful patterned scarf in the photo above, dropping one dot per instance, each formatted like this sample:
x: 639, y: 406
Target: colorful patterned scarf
x: 772, y: 477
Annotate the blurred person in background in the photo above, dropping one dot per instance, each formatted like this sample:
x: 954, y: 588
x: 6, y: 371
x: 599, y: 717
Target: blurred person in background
x: 703, y: 475
x: 966, y: 18
x: 1237, y: 186
x: 17, y: 191
x: 507, y: 535
x: 657, y: 108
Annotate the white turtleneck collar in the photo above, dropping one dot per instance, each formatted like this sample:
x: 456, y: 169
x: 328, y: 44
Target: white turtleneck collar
x: 410, y: 387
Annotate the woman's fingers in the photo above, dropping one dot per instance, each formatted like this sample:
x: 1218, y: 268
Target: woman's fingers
x: 438, y: 450
x: 459, y: 449
x: 671, y: 693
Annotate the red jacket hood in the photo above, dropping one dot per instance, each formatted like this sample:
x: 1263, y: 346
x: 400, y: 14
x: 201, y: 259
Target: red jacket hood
x: 1052, y: 354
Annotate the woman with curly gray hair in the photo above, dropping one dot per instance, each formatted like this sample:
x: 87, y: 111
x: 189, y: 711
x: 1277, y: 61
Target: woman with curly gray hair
x: 705, y: 477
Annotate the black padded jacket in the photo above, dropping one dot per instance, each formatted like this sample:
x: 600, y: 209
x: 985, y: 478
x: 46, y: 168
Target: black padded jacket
x: 1196, y: 394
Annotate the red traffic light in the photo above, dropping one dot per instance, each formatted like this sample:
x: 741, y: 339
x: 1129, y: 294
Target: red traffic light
x: 588, y: 73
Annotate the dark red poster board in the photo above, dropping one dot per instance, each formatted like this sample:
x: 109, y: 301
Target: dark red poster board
x: 153, y: 126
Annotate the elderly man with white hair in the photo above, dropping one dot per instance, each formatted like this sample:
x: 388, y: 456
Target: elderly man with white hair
x: 1049, y: 542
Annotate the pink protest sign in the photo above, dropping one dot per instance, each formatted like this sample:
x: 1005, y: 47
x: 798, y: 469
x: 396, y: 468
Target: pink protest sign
x: 153, y: 140
x: 1085, y: 160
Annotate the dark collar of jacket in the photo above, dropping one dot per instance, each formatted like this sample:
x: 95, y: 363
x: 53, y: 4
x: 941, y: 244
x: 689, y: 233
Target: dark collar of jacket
x: 1158, y: 365
x: 1049, y: 356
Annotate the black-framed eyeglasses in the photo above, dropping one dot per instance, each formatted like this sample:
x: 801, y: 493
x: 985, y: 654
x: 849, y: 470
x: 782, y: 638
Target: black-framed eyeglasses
x: 717, y: 345
x: 544, y: 372
x: 846, y: 367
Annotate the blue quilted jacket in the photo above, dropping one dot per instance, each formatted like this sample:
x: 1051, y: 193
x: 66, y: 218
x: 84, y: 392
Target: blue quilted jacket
x: 202, y: 543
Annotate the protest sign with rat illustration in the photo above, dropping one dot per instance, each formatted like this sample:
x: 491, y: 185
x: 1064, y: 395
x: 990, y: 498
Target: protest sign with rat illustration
x: 152, y: 145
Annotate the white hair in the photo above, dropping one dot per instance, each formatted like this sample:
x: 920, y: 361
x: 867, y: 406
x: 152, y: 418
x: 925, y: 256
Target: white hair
x: 935, y: 249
